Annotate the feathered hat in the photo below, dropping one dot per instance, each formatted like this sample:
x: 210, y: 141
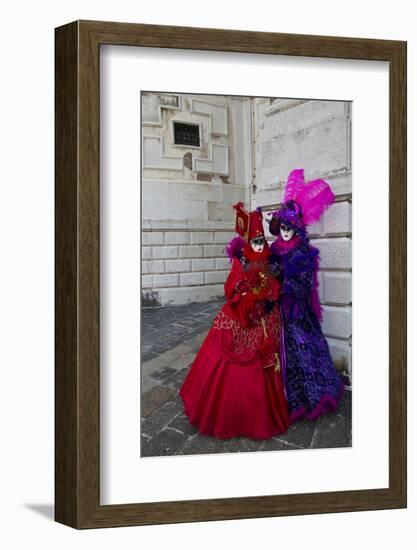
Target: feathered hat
x: 304, y: 203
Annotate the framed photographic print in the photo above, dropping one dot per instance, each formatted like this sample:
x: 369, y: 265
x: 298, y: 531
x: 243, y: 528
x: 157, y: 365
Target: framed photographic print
x: 230, y: 274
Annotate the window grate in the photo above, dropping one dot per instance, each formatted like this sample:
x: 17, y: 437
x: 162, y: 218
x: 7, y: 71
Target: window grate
x: 186, y: 134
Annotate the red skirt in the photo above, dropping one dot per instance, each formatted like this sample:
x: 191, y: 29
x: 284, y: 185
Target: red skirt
x: 234, y: 387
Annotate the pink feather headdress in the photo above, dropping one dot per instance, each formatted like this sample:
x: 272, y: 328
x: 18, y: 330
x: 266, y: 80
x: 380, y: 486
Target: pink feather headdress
x: 303, y: 204
x: 313, y: 197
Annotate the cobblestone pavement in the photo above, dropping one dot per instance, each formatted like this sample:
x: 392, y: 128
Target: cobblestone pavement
x: 163, y: 328
x: 171, y: 337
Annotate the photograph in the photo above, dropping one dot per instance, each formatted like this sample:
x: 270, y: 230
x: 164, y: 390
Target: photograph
x: 210, y: 234
x: 246, y: 274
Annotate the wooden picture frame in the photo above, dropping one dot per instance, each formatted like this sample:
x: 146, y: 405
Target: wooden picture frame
x: 77, y: 382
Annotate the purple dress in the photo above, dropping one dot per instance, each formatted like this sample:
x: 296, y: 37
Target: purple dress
x: 312, y: 384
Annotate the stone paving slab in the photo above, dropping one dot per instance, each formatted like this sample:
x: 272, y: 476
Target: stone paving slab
x: 202, y: 444
x: 299, y: 434
x: 241, y: 444
x: 167, y: 442
x: 162, y: 374
x: 159, y: 418
x: 163, y: 328
x: 178, y: 378
x: 182, y: 424
x: 156, y: 398
x: 275, y: 444
x: 166, y: 429
x: 166, y: 365
x: 335, y: 428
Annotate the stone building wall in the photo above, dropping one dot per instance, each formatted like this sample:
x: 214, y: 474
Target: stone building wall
x: 188, y: 194
x: 316, y: 136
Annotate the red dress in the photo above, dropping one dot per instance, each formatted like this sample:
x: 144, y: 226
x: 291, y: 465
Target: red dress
x: 234, y: 386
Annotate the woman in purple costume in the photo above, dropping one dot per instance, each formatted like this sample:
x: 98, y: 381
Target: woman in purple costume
x: 313, y: 386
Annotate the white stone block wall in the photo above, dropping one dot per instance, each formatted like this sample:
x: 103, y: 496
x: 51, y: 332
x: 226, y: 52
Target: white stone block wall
x: 188, y: 194
x: 171, y: 274
x: 314, y: 135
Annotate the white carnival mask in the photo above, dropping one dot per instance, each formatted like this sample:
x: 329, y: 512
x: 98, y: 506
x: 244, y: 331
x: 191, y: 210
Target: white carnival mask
x: 286, y: 232
x: 257, y: 244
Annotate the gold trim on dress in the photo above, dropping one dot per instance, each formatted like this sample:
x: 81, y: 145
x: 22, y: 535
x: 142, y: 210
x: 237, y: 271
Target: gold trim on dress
x: 249, y: 338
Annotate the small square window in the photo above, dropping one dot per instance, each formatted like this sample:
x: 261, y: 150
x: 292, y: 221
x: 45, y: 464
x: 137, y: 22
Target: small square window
x: 186, y: 134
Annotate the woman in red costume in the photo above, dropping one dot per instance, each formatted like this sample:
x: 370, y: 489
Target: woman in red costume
x: 234, y: 387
